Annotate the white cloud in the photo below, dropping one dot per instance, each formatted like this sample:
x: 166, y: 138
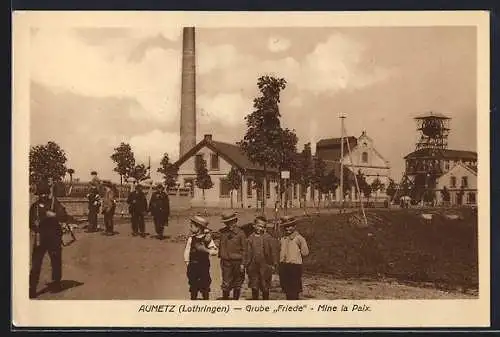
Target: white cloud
x: 226, y: 108
x: 278, y: 44
x: 65, y: 62
x: 332, y: 66
x: 155, y: 144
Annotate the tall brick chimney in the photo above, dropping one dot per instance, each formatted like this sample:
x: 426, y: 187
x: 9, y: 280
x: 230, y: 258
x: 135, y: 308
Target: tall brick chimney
x: 188, y: 92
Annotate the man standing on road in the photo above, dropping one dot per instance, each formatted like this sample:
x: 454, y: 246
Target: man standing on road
x: 94, y: 200
x: 159, y: 207
x: 137, y: 206
x: 45, y: 217
x: 231, y: 253
x: 108, y: 207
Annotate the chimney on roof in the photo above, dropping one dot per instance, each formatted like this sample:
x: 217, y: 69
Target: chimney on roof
x: 207, y: 138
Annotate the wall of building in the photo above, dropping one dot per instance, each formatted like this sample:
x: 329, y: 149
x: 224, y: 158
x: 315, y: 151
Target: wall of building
x: 469, y: 192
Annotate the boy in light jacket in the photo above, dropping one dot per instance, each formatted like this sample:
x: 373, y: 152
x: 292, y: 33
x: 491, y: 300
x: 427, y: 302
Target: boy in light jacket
x: 293, y: 247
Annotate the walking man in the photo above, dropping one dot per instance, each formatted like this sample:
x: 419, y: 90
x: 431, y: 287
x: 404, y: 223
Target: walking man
x: 137, y: 206
x: 109, y: 207
x: 231, y: 252
x: 45, y: 217
x: 199, y: 247
x: 94, y: 200
x: 293, y: 247
x: 159, y: 207
x: 261, y: 258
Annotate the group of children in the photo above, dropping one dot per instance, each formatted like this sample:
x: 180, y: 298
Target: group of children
x: 253, y: 252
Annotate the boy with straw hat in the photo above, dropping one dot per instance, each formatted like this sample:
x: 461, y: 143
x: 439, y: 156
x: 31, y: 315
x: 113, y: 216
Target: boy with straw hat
x: 199, y: 247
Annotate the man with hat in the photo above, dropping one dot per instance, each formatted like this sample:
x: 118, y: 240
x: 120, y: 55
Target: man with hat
x: 231, y: 253
x: 94, y: 200
x: 293, y: 247
x: 199, y: 247
x: 260, y: 259
x: 108, y: 207
x: 45, y: 217
x: 159, y: 207
x: 137, y: 206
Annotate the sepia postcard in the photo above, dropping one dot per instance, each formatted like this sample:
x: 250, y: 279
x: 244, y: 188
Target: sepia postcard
x: 251, y: 169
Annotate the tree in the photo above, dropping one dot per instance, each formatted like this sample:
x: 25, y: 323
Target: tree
x: 169, y: 171
x: 305, y: 171
x: 319, y: 170
x: 203, y: 180
x: 139, y: 172
x: 263, y: 140
x: 287, y: 160
x: 329, y: 182
x: 234, y: 179
x: 377, y: 185
x: 47, y: 161
x: 125, y: 161
x: 70, y: 172
x: 391, y: 189
x: 445, y: 193
x: 363, y: 185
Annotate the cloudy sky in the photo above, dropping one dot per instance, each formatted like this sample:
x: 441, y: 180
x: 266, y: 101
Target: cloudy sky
x: 92, y: 88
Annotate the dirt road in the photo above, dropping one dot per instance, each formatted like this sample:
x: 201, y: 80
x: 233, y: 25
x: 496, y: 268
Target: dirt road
x: 98, y: 267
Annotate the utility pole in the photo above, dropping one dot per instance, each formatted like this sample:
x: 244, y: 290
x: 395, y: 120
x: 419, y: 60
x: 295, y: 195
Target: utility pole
x: 342, y: 116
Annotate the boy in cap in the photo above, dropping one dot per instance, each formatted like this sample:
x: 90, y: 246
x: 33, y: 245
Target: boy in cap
x: 231, y: 253
x: 199, y: 247
x: 159, y: 207
x: 261, y: 257
x: 293, y: 247
x: 45, y: 217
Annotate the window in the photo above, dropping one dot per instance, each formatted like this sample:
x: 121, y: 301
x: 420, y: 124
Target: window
x: 249, y: 188
x: 225, y: 188
x: 295, y: 191
x: 268, y: 188
x: 471, y: 198
x: 197, y: 161
x: 214, y: 161
x: 312, y: 193
x: 447, y: 165
x: 189, y: 183
x: 364, y: 157
x: 453, y: 182
x: 465, y: 182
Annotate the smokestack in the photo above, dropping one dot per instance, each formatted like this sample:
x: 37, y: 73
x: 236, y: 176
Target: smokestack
x: 188, y: 92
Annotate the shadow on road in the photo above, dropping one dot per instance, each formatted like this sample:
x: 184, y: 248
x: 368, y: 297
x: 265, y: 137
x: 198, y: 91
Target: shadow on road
x: 65, y: 285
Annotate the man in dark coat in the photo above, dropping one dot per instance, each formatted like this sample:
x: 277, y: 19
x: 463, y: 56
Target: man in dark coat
x: 231, y: 253
x: 159, y: 207
x: 45, y: 217
x: 94, y: 200
x: 137, y: 206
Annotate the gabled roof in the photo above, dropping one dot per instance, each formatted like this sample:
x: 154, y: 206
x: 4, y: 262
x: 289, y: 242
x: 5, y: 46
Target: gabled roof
x: 229, y: 152
x: 442, y: 154
x: 432, y: 114
x: 333, y: 147
x: 466, y: 167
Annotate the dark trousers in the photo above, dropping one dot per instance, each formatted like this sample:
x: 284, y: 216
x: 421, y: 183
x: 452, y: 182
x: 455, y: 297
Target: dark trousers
x: 291, y: 280
x: 160, y: 222
x: 138, y: 223
x: 92, y: 219
x: 55, y: 254
x: 232, y: 276
x: 199, y: 279
x: 108, y: 222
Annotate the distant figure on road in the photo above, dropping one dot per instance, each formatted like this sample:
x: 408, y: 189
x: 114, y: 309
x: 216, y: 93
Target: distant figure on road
x: 45, y: 217
x: 261, y: 258
x: 293, y: 247
x: 108, y: 207
x: 94, y: 200
x: 137, y: 206
x: 159, y: 207
x: 231, y: 252
x: 199, y: 247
